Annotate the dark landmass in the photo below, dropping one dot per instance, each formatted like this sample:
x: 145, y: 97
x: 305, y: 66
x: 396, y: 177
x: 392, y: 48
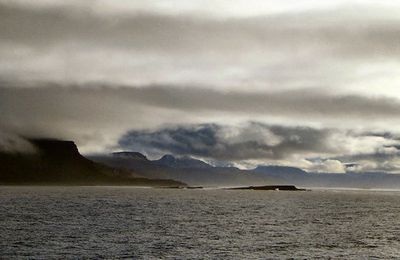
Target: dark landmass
x: 270, y: 187
x: 60, y: 163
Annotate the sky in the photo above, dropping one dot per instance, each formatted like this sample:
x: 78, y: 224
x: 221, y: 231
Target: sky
x: 305, y: 83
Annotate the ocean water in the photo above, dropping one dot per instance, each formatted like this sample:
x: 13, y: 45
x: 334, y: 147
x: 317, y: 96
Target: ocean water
x: 139, y: 223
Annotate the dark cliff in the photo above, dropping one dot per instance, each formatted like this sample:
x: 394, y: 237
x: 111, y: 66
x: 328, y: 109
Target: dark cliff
x: 59, y: 162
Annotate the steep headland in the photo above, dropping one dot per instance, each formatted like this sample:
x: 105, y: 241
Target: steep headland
x: 59, y: 162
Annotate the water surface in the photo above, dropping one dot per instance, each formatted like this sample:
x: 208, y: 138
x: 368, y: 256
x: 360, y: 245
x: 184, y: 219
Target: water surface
x: 118, y: 222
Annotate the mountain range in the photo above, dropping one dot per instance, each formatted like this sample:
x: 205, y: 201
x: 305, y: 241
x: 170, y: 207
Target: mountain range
x: 196, y: 172
x: 58, y: 162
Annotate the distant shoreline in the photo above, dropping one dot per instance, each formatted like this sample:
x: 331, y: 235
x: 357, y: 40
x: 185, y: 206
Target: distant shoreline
x: 336, y: 189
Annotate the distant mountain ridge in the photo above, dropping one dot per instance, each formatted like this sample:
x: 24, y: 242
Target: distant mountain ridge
x: 133, y: 155
x: 185, y: 169
x: 58, y: 162
x: 197, y: 172
x: 181, y: 162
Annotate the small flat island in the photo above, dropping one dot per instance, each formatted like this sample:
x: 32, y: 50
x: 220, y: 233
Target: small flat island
x: 270, y: 187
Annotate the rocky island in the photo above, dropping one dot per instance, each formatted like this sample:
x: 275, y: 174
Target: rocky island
x: 270, y: 187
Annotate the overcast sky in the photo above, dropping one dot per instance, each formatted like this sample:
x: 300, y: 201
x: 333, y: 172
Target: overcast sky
x: 305, y: 83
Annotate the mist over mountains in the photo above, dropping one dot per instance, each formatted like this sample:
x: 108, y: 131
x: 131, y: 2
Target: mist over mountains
x: 58, y: 162
x: 196, y: 172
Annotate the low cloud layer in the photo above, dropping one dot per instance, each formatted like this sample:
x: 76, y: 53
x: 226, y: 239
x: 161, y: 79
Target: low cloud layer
x: 11, y: 143
x: 254, y: 143
x: 58, y: 102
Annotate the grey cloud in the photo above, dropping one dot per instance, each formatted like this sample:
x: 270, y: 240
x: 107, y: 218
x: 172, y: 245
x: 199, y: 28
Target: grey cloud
x: 316, y: 48
x: 12, y: 143
x: 101, y: 103
x: 384, y: 134
x: 385, y: 158
x: 339, y: 31
x: 380, y: 157
x: 375, y: 162
x: 210, y: 141
x: 396, y: 146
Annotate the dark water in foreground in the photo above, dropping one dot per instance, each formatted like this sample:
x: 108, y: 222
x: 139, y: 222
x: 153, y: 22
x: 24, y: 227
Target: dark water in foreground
x: 117, y: 222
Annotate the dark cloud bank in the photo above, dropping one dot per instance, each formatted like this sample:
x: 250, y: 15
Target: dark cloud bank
x: 291, y: 103
x: 216, y: 141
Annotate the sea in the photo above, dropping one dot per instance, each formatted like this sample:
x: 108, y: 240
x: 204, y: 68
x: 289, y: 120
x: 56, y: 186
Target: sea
x: 150, y: 223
